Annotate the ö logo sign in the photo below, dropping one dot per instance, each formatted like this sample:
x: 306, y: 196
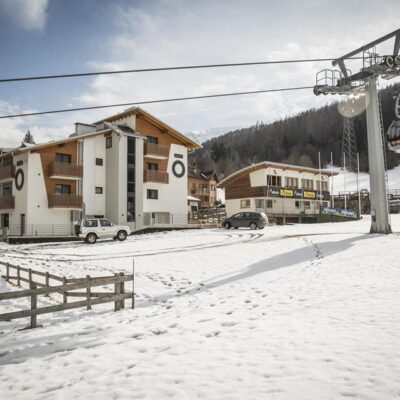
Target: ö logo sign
x: 19, y: 179
x: 178, y: 168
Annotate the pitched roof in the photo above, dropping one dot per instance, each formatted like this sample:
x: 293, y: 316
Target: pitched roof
x: 268, y: 164
x: 207, y: 175
x: 191, y: 144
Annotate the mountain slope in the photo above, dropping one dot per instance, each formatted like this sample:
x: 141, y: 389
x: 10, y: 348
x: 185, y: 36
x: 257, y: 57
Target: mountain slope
x: 293, y: 140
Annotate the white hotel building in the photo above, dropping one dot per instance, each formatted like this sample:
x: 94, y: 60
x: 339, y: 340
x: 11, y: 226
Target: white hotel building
x: 130, y: 168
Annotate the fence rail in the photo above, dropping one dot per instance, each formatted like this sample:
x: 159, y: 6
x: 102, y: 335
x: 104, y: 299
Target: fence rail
x: 66, y: 289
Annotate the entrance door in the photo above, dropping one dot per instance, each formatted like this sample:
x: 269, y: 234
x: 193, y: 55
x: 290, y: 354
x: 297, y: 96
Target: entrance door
x: 5, y: 221
x: 22, y: 224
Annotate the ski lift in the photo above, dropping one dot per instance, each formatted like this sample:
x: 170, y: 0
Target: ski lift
x: 393, y: 134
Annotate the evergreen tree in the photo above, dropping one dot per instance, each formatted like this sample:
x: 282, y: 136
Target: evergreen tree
x: 28, y: 138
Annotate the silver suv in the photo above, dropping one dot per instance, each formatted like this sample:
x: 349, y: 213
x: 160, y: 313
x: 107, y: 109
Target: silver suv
x: 91, y: 229
x: 252, y: 220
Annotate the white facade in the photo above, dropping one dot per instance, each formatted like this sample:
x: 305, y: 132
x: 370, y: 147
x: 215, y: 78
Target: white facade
x: 288, y: 191
x: 102, y: 150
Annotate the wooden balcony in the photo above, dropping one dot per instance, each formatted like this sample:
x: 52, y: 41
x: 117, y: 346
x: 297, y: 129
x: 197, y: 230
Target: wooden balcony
x: 155, y: 176
x: 7, y: 203
x: 73, y: 201
x: 7, y: 172
x: 153, y: 150
x: 65, y: 171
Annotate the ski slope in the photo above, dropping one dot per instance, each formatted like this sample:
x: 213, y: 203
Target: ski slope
x: 290, y: 312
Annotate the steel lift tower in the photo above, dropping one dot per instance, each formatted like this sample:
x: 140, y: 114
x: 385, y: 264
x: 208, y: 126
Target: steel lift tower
x: 365, y: 81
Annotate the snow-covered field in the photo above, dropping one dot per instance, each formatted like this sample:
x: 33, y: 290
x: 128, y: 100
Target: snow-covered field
x: 290, y: 312
x: 347, y: 181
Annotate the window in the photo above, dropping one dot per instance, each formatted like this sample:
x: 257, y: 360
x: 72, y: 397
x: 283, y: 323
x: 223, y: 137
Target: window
x: 105, y: 222
x: 152, y: 166
x: 307, y: 204
x: 108, y: 142
x: 63, y: 189
x: 237, y: 216
x: 245, y: 203
x: 193, y: 189
x: 260, y: 203
x: 307, y: 184
x: 63, y: 158
x: 152, y: 194
x: 178, y: 155
x: 99, y: 161
x: 292, y: 182
x: 324, y: 204
x: 273, y: 180
x: 324, y: 186
x: 152, y: 140
x: 19, y: 163
x: 99, y: 190
x: 7, y: 161
x: 6, y: 189
x: 268, y: 203
x: 297, y: 204
x: 90, y: 223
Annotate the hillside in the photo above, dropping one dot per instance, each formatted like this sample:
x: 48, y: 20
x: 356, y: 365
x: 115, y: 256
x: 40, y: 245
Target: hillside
x: 293, y: 140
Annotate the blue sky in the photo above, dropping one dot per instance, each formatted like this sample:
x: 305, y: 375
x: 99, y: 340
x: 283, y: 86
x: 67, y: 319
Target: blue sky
x: 64, y: 36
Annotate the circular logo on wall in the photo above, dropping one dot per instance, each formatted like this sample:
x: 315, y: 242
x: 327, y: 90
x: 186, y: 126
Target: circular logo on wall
x: 19, y: 179
x: 178, y: 168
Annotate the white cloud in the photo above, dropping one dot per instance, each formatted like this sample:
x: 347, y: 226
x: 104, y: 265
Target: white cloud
x: 171, y: 33
x: 28, y: 14
x: 175, y: 32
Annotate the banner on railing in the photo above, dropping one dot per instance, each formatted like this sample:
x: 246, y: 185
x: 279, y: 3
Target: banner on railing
x: 339, y: 212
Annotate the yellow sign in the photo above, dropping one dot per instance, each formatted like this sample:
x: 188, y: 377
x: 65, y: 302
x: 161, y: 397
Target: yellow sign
x: 286, y: 193
x: 309, y: 195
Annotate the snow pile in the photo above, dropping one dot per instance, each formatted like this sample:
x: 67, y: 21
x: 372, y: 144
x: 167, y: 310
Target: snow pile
x: 290, y: 312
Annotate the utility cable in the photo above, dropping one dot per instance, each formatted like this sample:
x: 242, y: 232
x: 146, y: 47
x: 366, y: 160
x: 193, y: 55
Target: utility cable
x: 158, y: 69
x: 154, y: 101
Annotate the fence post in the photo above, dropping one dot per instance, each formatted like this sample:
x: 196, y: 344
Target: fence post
x: 122, y: 291
x: 64, y: 290
x: 33, y: 287
x: 30, y: 277
x: 88, y: 294
x: 133, y: 283
x: 18, y: 276
x: 7, y: 272
x: 117, y: 290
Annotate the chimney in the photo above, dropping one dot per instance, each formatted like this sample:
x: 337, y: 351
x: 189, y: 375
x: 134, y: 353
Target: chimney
x: 81, y: 128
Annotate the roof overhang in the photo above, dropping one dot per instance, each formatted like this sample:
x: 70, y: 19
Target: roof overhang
x: 267, y: 164
x: 190, y: 144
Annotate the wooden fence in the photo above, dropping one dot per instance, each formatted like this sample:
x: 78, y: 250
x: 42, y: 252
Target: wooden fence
x: 67, y: 288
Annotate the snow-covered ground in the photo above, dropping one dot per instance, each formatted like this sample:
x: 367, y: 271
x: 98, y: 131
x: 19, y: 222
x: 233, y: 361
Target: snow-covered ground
x: 290, y: 312
x: 348, y: 180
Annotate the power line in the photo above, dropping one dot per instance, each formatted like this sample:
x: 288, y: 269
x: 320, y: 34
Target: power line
x: 155, y: 101
x: 128, y: 71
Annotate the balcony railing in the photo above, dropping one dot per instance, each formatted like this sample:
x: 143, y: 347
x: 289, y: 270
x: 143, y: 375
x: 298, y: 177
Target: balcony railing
x: 65, y: 201
x: 7, y: 172
x: 66, y: 170
x: 158, y: 150
x: 155, y: 176
x: 7, y: 203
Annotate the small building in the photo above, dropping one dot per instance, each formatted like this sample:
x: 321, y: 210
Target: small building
x: 193, y: 203
x: 285, y: 192
x: 203, y: 185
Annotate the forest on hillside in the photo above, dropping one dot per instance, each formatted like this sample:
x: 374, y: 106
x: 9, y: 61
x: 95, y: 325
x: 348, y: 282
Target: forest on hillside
x: 294, y: 140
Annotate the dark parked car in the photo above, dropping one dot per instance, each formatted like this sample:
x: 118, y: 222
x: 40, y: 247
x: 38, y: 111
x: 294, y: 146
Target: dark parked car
x: 252, y: 220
